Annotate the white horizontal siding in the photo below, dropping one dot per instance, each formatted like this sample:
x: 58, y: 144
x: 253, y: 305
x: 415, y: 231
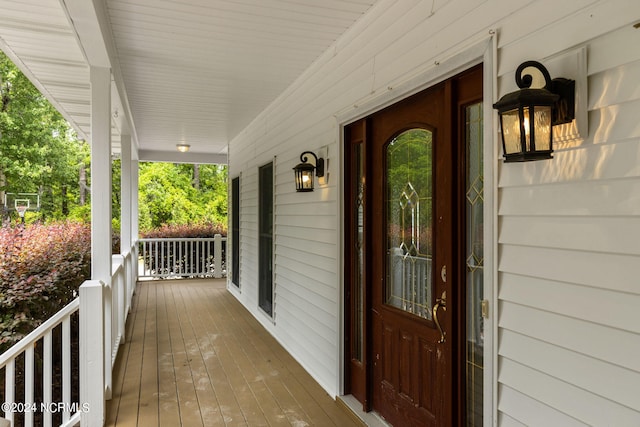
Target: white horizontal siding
x: 609, y: 381
x: 567, y: 228
x: 583, y: 336
x: 248, y: 274
x: 600, y: 270
x: 569, y: 341
x: 613, y: 235
x: 531, y: 412
x: 587, y: 303
x: 572, y: 401
x: 506, y: 421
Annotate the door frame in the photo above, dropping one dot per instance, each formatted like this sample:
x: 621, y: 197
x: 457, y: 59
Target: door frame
x: 484, y: 51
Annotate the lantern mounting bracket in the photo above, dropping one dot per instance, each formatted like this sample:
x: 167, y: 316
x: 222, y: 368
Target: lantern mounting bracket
x: 564, y: 108
x: 319, y: 162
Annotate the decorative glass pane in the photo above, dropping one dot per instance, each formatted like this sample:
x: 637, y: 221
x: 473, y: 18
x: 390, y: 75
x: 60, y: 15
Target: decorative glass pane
x: 511, y: 132
x: 409, y: 222
x: 358, y: 240
x: 475, y: 263
x: 542, y: 123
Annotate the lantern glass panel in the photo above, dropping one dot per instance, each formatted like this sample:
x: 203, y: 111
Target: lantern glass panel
x: 542, y: 124
x: 307, y: 179
x: 511, y: 131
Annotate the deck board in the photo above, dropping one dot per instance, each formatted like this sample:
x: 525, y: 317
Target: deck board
x: 194, y: 356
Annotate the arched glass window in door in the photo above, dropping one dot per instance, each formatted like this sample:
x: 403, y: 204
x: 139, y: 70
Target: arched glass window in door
x: 409, y: 222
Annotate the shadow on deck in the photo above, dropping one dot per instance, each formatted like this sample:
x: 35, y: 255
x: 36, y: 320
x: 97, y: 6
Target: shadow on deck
x: 194, y: 356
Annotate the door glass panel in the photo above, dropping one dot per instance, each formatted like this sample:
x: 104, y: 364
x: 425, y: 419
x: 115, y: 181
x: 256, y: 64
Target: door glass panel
x: 409, y: 222
x: 474, y: 263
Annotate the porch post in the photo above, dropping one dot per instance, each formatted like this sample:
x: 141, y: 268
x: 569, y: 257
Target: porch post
x: 101, y: 207
x: 101, y: 174
x: 125, y: 222
x: 135, y: 175
x: 92, y: 353
x: 125, y: 195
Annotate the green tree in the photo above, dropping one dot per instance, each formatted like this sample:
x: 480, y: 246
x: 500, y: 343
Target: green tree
x: 168, y: 194
x: 39, y: 151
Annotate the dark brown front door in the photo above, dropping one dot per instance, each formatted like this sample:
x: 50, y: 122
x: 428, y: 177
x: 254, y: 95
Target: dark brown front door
x: 404, y: 267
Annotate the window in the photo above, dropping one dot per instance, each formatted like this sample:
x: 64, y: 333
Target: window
x: 235, y: 231
x: 475, y: 263
x: 265, y: 244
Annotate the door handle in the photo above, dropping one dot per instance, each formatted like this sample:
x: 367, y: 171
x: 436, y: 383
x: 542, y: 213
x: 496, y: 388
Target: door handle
x: 440, y: 302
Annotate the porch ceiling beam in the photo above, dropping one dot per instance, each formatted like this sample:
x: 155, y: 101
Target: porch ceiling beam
x: 174, y: 157
x: 91, y: 25
x: 84, y: 20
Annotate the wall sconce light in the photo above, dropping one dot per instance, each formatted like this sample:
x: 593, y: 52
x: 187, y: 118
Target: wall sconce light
x: 304, y: 171
x: 527, y: 116
x: 183, y: 148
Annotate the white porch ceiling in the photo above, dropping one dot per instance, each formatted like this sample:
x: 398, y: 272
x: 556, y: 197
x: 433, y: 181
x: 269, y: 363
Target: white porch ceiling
x: 191, y: 71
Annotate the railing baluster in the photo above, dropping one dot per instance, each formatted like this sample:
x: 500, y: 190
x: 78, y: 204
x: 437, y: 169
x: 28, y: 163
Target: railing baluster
x: 217, y: 256
x: 66, y: 367
x: 199, y: 256
x: 196, y: 260
x: 207, y: 259
x: 28, y: 383
x: 47, y: 377
x: 144, y: 258
x: 108, y: 337
x: 178, y: 257
x: 9, y: 387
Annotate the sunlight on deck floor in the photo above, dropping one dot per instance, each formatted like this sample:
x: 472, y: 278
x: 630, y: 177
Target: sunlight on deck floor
x: 194, y: 356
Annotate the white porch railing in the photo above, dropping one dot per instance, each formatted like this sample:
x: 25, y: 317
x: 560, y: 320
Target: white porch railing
x: 103, y: 311
x: 183, y: 257
x: 27, y: 407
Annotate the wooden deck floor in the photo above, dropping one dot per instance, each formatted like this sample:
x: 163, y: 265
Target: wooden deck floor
x: 195, y: 357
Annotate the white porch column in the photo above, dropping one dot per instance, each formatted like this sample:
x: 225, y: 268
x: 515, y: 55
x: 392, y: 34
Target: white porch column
x: 92, y: 353
x: 101, y: 204
x: 135, y: 175
x: 101, y: 174
x: 125, y: 195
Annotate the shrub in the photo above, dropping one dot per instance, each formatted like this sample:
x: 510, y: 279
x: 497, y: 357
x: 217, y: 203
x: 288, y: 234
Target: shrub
x: 200, y: 230
x: 41, y: 269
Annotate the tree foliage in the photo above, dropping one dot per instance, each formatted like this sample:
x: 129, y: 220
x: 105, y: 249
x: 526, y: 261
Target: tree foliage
x: 168, y: 195
x: 39, y: 151
x: 410, y: 191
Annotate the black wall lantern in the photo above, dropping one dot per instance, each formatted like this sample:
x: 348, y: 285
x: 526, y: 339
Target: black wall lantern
x: 527, y: 116
x: 304, y: 171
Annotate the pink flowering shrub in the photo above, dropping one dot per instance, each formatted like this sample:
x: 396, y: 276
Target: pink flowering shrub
x: 41, y: 269
x: 200, y: 230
